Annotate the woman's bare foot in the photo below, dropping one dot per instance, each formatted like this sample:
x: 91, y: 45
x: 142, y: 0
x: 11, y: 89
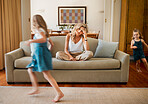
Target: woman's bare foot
x: 34, y: 92
x: 58, y: 97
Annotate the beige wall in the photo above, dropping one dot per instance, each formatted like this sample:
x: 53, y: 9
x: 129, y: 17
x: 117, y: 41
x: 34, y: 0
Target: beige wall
x: 95, y: 15
x: 25, y: 14
x: 112, y: 12
x: 49, y: 10
x: 116, y: 22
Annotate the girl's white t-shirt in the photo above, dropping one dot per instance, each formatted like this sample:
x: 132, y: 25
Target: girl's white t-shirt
x: 39, y: 36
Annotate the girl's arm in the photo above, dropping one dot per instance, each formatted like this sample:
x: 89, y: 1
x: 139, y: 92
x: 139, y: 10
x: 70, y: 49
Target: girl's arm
x: 51, y: 42
x: 132, y: 45
x: 41, y: 40
x: 66, y: 46
x: 85, y: 42
x: 144, y: 43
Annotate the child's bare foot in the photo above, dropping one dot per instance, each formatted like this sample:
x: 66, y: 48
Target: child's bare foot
x: 58, y: 97
x: 139, y: 70
x: 34, y: 92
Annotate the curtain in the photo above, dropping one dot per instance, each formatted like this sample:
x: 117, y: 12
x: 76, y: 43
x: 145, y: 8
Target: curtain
x: 10, y: 27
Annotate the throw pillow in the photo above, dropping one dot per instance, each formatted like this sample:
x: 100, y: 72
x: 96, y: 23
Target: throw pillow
x: 106, y: 49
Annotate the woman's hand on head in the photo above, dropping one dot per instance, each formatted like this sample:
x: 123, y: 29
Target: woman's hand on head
x: 84, y: 34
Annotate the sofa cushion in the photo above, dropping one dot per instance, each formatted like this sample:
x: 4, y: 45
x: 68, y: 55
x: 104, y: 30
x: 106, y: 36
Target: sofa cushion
x: 93, y: 43
x: 93, y: 63
x: 22, y: 62
x: 26, y: 49
x: 59, y: 44
x: 106, y: 49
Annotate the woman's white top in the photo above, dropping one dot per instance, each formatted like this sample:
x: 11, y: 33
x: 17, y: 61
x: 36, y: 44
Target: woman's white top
x: 39, y: 36
x: 75, y: 48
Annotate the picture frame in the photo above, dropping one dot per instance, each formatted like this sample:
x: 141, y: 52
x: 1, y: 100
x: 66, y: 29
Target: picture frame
x: 70, y: 15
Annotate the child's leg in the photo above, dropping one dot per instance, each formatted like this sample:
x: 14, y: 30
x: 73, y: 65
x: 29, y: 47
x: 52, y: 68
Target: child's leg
x: 33, y: 81
x: 145, y: 62
x: 138, y: 66
x: 54, y: 84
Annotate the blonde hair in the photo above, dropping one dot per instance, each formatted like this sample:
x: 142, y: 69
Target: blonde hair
x: 77, y: 26
x: 137, y: 30
x: 38, y: 22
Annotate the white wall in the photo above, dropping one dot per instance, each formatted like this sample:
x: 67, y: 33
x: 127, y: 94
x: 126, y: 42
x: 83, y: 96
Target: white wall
x: 25, y: 15
x: 116, y: 22
x: 112, y: 11
x: 49, y: 10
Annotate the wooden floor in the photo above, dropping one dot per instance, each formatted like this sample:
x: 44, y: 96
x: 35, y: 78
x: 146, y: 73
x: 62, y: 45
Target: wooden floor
x: 137, y: 80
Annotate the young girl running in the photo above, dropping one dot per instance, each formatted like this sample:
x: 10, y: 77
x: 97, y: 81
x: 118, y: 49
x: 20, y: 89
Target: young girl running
x: 41, y: 57
x: 136, y: 45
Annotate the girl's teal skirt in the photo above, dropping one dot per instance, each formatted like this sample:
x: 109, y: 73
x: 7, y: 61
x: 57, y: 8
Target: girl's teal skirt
x: 41, y: 58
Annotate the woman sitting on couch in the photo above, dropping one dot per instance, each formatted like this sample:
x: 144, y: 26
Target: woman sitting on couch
x: 74, y: 44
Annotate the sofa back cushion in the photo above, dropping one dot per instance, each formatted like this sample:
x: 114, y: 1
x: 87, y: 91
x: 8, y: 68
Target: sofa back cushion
x: 93, y: 43
x: 26, y: 49
x: 59, y: 44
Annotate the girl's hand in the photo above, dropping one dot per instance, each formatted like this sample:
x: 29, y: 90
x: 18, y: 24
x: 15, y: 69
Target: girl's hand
x: 134, y: 47
x: 28, y: 42
x: 50, y: 48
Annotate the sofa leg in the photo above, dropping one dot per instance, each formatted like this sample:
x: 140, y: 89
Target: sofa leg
x: 10, y: 82
x: 124, y: 83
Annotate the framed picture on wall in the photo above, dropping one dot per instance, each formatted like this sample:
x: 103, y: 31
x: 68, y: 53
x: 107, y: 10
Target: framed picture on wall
x: 70, y: 15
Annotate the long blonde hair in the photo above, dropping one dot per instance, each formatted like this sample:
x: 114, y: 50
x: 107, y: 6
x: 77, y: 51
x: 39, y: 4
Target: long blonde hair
x: 77, y: 26
x: 40, y: 23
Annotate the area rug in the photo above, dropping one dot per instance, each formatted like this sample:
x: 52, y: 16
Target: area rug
x: 74, y: 95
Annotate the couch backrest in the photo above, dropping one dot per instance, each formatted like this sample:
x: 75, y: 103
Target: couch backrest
x: 59, y: 44
x: 26, y: 49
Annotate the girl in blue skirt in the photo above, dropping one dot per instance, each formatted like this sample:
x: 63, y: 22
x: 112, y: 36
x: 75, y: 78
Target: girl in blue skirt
x: 41, y: 57
x: 136, y: 45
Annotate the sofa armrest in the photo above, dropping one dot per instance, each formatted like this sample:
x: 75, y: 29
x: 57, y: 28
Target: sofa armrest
x: 125, y: 61
x: 10, y: 57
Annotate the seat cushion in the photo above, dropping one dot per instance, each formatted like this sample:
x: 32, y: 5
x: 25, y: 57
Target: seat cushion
x: 22, y: 62
x: 93, y: 63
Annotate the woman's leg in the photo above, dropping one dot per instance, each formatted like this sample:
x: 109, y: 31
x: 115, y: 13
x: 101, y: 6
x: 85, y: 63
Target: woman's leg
x: 145, y: 63
x: 54, y: 84
x: 62, y: 56
x: 86, y: 55
x: 138, y: 66
x: 33, y: 81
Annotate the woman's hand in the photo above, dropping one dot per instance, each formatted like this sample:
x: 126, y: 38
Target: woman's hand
x: 72, y: 58
x: 28, y: 42
x: 84, y: 32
